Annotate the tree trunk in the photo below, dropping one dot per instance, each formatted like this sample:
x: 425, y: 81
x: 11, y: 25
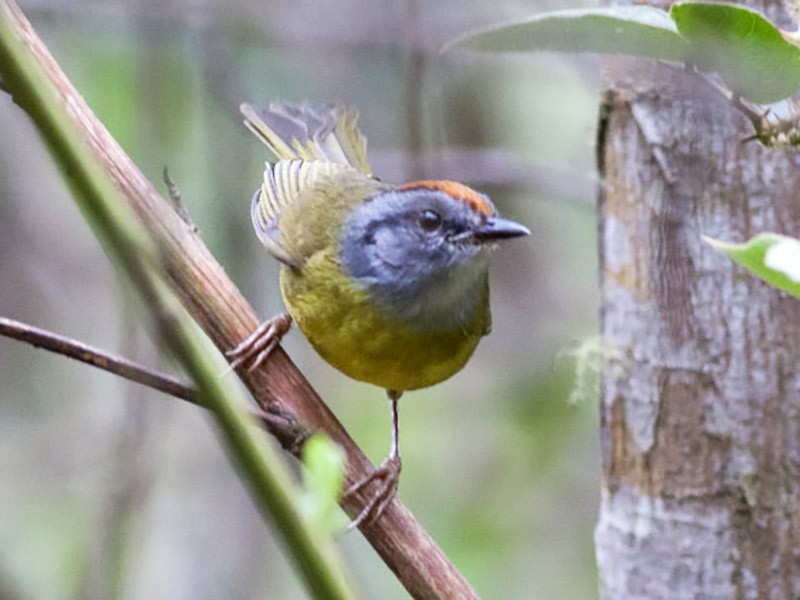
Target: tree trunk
x: 700, y: 386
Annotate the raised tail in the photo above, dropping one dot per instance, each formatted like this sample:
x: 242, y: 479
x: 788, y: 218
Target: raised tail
x: 310, y: 132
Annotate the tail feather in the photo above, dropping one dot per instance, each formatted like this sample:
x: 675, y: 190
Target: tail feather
x: 311, y: 132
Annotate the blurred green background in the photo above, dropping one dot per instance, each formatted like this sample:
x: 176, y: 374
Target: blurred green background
x: 108, y: 490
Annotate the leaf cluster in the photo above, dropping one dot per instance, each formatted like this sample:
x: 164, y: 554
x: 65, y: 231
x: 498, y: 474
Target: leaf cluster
x: 756, y: 60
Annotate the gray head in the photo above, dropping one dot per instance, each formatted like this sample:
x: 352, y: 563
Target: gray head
x: 422, y: 251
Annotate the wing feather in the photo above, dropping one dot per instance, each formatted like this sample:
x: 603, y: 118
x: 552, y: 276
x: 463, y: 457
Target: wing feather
x: 284, y: 183
x: 312, y: 142
x: 311, y: 132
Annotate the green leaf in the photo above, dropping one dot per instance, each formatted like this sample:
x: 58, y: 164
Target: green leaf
x: 748, y: 51
x: 772, y: 257
x: 756, y: 59
x: 323, y: 477
x: 634, y: 30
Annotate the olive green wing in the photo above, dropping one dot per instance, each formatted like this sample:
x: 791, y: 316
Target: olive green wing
x: 311, y: 132
x: 321, y: 151
x: 285, y: 184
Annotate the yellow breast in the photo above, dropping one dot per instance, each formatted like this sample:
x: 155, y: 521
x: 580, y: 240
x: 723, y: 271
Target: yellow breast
x: 353, y: 335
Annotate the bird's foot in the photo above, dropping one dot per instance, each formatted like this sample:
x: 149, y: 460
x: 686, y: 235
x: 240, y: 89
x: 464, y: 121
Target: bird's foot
x: 259, y: 345
x: 387, y: 477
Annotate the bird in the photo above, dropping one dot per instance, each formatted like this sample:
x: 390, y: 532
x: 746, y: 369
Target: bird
x: 389, y: 283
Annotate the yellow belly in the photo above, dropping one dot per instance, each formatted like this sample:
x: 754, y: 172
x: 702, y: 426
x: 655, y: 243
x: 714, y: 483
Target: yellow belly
x: 351, y: 334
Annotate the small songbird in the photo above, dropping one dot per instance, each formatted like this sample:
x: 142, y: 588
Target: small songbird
x: 389, y: 283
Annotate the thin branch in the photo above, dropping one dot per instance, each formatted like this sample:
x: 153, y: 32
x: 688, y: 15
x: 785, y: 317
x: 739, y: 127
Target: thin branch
x: 735, y: 100
x: 769, y: 129
x: 106, y: 361
x: 223, y: 313
x: 284, y: 427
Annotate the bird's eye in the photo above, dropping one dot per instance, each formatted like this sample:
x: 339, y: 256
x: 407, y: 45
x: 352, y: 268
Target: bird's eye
x: 430, y: 220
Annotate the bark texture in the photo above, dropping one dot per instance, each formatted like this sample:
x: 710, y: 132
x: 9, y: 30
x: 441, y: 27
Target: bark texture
x: 701, y: 390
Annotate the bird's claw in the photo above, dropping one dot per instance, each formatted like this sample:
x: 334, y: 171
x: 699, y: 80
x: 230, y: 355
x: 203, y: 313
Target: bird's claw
x: 259, y: 345
x: 388, y: 477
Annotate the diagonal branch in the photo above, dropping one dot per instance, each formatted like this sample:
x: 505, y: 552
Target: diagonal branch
x: 283, y: 427
x: 90, y: 355
x: 227, y: 318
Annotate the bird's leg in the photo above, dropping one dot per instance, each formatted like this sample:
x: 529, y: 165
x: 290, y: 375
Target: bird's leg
x: 257, y: 347
x: 387, y: 475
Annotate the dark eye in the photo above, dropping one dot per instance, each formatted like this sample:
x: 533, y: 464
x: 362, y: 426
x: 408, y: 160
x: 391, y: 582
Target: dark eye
x: 430, y: 220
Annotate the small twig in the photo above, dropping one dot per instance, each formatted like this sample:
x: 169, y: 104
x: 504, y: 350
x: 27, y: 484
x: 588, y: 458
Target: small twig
x: 735, y: 100
x: 755, y: 117
x: 97, y: 358
x: 779, y: 132
x: 770, y: 132
x: 285, y: 428
x: 177, y: 201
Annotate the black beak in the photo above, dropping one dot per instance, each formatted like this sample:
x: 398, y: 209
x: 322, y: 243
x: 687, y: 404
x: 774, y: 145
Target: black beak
x: 497, y: 228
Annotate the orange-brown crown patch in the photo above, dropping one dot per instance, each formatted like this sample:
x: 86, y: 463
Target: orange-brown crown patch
x: 456, y: 190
